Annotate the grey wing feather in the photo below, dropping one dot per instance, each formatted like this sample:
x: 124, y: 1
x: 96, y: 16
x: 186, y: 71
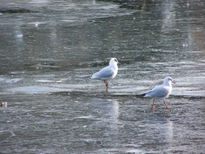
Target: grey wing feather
x: 104, y: 73
x: 159, y: 91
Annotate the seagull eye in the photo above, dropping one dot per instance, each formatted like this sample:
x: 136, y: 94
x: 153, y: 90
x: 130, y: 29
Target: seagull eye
x: 116, y: 60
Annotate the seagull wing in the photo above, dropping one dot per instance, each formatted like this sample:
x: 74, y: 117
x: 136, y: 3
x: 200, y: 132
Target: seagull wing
x: 104, y: 74
x: 159, y: 91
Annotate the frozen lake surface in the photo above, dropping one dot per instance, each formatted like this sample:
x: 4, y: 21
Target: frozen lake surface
x: 47, y: 57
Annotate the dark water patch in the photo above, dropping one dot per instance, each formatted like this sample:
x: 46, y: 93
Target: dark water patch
x: 131, y: 4
x: 16, y: 10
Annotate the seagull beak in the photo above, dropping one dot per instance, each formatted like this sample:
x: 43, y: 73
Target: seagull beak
x: 118, y: 62
x: 174, y: 82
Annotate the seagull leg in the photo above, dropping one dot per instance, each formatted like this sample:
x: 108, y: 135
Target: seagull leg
x: 167, y: 107
x: 106, y: 84
x: 153, y: 106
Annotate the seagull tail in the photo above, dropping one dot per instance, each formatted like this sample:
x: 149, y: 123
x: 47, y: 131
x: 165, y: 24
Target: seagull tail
x: 93, y: 76
x: 141, y: 95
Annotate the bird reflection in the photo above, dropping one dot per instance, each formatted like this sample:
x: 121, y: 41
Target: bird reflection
x: 170, y: 131
x: 115, y: 113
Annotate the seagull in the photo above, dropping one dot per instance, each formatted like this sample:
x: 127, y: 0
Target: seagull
x: 161, y: 92
x: 108, y: 72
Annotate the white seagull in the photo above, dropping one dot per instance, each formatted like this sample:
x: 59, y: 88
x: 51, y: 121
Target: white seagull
x: 161, y: 92
x: 107, y: 73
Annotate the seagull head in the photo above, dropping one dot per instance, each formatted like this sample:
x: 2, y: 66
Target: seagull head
x: 169, y: 81
x: 113, y: 62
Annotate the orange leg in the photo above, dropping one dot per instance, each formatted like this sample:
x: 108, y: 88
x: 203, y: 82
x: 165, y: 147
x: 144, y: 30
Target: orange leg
x: 106, y: 84
x: 167, y: 107
x: 153, y: 106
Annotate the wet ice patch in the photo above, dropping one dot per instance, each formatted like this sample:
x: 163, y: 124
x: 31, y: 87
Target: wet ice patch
x: 35, y: 89
x: 47, y: 89
x: 44, y: 81
x: 10, y: 80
